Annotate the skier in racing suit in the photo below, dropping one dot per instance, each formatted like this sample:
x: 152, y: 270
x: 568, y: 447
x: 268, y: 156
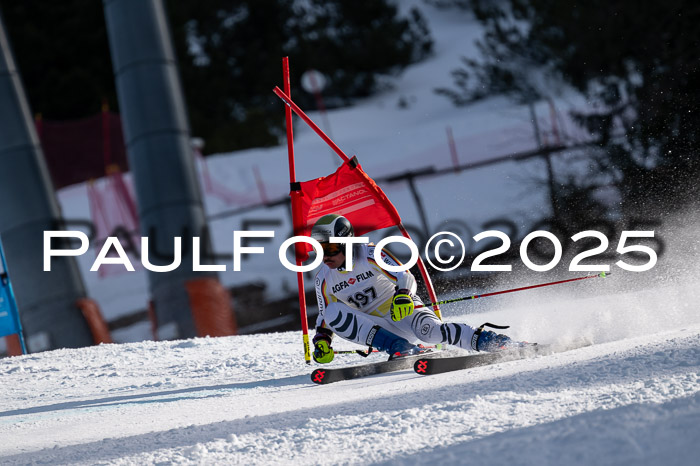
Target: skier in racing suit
x: 378, y: 308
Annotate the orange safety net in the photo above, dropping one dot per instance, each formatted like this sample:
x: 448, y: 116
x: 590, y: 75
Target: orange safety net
x: 14, y: 347
x: 211, y: 307
x: 96, y: 323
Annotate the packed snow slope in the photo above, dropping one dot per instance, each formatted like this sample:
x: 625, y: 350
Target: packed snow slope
x: 631, y: 398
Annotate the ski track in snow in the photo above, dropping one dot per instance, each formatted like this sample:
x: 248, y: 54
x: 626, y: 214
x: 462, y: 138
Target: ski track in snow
x: 632, y: 401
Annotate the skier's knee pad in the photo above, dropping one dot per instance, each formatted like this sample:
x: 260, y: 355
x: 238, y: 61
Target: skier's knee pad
x: 348, y: 323
x: 426, y: 327
x: 342, y: 321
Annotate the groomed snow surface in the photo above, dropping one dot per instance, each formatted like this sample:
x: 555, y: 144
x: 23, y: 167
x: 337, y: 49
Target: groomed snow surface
x: 631, y: 398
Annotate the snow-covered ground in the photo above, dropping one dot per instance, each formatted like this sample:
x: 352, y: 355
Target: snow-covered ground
x: 249, y: 400
x: 629, y: 399
x: 632, y: 398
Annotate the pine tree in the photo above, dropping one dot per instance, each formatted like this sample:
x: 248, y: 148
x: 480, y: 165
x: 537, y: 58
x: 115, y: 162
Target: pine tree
x: 634, y: 61
x: 231, y: 58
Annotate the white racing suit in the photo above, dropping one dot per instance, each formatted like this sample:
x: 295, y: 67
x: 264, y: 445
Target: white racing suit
x: 351, y: 303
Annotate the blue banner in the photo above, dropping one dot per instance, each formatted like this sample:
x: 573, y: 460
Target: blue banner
x: 9, y: 315
x: 8, y: 319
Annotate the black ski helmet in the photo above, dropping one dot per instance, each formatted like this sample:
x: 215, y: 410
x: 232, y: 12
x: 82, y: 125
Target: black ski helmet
x: 331, y: 225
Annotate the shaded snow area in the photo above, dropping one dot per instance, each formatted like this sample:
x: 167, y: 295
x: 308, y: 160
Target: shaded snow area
x: 249, y: 400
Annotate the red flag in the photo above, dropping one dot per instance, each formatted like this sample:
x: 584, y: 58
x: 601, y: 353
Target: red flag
x: 349, y: 192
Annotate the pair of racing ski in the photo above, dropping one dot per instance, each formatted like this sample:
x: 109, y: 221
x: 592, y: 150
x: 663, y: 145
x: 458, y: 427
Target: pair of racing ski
x: 436, y: 362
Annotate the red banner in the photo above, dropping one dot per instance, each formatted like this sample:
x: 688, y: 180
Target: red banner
x: 78, y: 150
x: 349, y: 192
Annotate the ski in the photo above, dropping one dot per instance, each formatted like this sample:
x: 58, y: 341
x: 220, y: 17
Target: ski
x: 428, y: 366
x: 330, y: 375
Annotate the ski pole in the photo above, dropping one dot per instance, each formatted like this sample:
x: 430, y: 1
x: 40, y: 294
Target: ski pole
x: 465, y: 298
x: 371, y: 350
x: 360, y: 352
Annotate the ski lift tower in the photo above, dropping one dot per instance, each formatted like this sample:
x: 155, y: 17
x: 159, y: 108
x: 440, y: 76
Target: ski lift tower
x: 47, y: 301
x: 187, y: 303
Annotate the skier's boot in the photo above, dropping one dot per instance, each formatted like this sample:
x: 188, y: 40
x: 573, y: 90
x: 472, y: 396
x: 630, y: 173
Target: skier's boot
x: 486, y: 340
x: 394, y: 345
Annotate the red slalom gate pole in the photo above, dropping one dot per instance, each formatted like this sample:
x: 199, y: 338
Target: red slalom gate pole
x: 424, y: 273
x: 292, y: 106
x: 295, y: 193
x: 465, y: 298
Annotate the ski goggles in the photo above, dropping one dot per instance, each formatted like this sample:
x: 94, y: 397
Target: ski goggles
x: 331, y: 249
